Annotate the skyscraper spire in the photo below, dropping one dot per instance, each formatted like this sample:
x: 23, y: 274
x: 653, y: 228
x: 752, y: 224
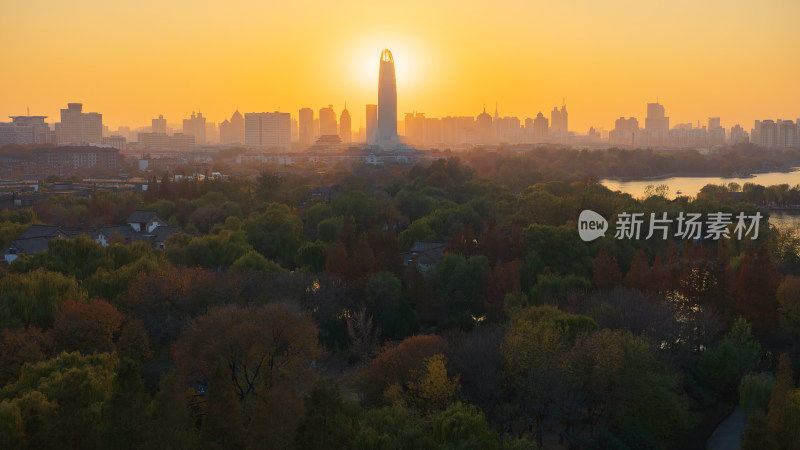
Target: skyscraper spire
x: 387, y: 101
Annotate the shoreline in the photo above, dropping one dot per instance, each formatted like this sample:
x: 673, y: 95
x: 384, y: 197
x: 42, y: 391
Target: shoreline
x: 684, y: 174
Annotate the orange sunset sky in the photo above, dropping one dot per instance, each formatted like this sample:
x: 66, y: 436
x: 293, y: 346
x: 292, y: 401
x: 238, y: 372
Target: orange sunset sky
x: 131, y: 61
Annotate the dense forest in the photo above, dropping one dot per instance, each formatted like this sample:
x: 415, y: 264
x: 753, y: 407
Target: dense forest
x: 289, y: 314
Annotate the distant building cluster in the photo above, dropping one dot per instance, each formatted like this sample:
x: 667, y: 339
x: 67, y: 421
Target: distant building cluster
x: 276, y: 132
x: 776, y: 133
x: 657, y: 132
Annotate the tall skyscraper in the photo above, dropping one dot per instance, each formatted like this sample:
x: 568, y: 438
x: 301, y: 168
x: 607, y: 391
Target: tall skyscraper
x: 196, y: 126
x: 268, y: 130
x: 387, y: 101
x: 306, y: 126
x: 159, y: 125
x: 77, y: 127
x: 327, y: 121
x: 372, y: 124
x: 345, y: 127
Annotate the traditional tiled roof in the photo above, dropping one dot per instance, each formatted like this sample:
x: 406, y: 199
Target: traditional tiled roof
x: 141, y: 216
x: 30, y: 246
x: 37, y: 231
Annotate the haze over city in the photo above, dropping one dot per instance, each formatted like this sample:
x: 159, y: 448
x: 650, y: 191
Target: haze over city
x: 713, y: 59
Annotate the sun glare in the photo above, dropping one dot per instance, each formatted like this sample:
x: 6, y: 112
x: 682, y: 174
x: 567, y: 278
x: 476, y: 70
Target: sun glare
x: 366, y: 63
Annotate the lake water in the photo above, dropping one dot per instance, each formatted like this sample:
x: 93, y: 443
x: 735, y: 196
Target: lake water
x: 690, y: 186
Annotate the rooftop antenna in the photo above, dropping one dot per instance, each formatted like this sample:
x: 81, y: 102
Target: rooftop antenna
x: 29, y: 110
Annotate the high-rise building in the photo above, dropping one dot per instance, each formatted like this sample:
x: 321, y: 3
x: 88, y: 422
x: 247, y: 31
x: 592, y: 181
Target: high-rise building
x: 77, y: 127
x: 559, y: 122
x: 159, y: 125
x: 306, y: 125
x: 345, y: 127
x: 212, y: 133
x: 387, y: 101
x: 540, y: 128
x: 656, y: 125
x: 327, y: 122
x: 458, y: 130
x: 372, y: 124
x: 196, y: 126
x: 716, y: 133
x: 738, y: 135
x: 415, y: 128
x: 295, y: 130
x: 765, y: 133
x: 232, y: 131
x: 506, y: 129
x: 268, y: 130
x: 483, y: 128
x: 625, y: 132
x: 26, y: 130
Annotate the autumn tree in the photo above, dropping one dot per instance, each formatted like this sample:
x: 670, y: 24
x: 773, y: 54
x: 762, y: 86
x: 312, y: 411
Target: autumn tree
x: 258, y: 346
x: 165, y: 299
x: 639, y: 276
x: 784, y: 406
x: 606, y: 271
x: 20, y: 346
x: 397, y: 366
x: 88, y: 327
x: 756, y: 286
x: 501, y: 280
x: 463, y: 243
x: 432, y: 389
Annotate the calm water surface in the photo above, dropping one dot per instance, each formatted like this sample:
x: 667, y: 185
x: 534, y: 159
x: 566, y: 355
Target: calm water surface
x: 690, y: 186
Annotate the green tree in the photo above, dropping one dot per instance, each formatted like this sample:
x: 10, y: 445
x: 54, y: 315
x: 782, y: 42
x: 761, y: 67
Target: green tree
x: 12, y: 431
x: 277, y: 234
x: 311, y: 256
x: 387, y: 302
x: 32, y: 298
x: 722, y: 366
x: 123, y: 411
x: 168, y: 424
x: 223, y: 425
x: 464, y: 427
x: 329, y: 421
x: 252, y: 261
